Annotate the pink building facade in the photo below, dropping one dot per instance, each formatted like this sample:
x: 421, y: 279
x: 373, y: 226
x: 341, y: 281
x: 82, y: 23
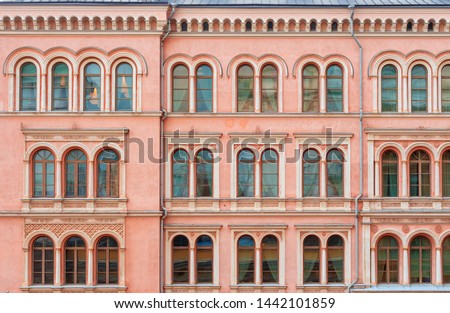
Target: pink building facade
x: 224, y: 148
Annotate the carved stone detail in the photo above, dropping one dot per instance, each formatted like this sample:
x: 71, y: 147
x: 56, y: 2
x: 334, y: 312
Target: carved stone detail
x: 89, y: 229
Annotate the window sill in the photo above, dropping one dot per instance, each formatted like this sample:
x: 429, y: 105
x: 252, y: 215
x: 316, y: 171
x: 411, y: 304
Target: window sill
x: 273, y: 288
x: 78, y: 205
x: 187, y: 288
x: 73, y: 288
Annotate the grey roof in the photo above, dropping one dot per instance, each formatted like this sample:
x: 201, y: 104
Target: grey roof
x: 249, y: 3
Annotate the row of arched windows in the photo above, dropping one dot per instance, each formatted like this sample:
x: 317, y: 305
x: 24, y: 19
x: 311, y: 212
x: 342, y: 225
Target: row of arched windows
x: 74, y: 263
x: 75, y: 169
x: 61, y: 81
x: 246, y: 176
x: 420, y: 172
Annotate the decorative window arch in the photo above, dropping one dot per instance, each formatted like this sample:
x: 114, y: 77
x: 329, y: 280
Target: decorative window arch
x: 180, y: 88
x: 43, y: 173
x: 246, y: 259
x: 204, y: 173
x: 335, y: 88
x: 28, y: 88
x: 245, y: 88
x: 389, y: 173
x: 420, y: 260
x: 389, y: 88
x: 204, y: 258
x: 107, y: 174
x: 388, y: 260
x: 75, y: 265
x: 335, y: 252
x: 60, y: 87
x: 75, y: 174
x: 107, y: 257
x: 180, y: 173
x: 311, y: 173
x: 270, y: 259
x: 311, y: 259
x: 335, y: 173
x: 419, y: 174
x: 310, y: 89
x: 42, y: 261
x: 246, y: 173
x: 180, y: 259
x: 269, y: 173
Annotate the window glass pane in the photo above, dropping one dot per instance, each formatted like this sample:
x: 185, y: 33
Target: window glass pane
x: 180, y: 174
x: 419, y: 174
x: 269, y: 186
x: 387, y: 252
x: 246, y: 172
x: 445, y: 89
x: 124, y: 87
x: 246, y: 260
x: 269, y: 247
x: 334, y: 174
x: 92, y: 87
x: 311, y: 259
x: 245, y: 89
x: 180, y: 89
x: 204, y: 89
x: 311, y: 173
x: 28, y: 86
x: 335, y: 259
x: 269, y: 92
x: 60, y: 87
x: 180, y: 259
x: 204, y: 173
x: 204, y: 259
x: 419, y: 87
x: 390, y: 174
x: 108, y: 174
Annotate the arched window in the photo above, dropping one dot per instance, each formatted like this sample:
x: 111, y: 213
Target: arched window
x: 180, y: 174
x: 42, y: 261
x: 420, y: 260
x: 387, y: 253
x: 180, y: 259
x: 335, y: 248
x: 389, y: 89
x: 246, y: 259
x: 311, y: 169
x: 205, y: 26
x: 75, y: 261
x: 445, y: 89
x: 180, y: 89
x: 270, y: 26
x: 311, y: 259
x: 269, y: 164
x: 204, y: 173
x: 108, y: 174
x: 446, y: 260
x: 75, y: 172
x: 60, y: 87
x: 107, y: 261
x: 183, y: 26
x: 446, y: 174
x: 204, y: 259
x: 124, y: 87
x: 204, y: 85
x: 245, y: 85
x: 311, y: 98
x: 335, y: 173
x: 389, y: 172
x: 419, y: 174
x: 43, y: 174
x: 409, y: 27
x: 334, y: 27
x: 430, y: 26
x: 28, y: 87
x: 248, y: 26
x: 312, y: 27
x: 419, y: 86
x: 246, y: 174
x: 269, y: 89
x: 92, y: 87
x: 269, y: 250
x: 334, y: 89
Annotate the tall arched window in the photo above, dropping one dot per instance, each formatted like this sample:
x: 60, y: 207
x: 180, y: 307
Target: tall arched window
x: 311, y: 98
x: 311, y: 259
x: 445, y: 89
x: 269, y: 89
x: 446, y: 174
x: 204, y: 85
x: 389, y: 172
x: 420, y: 260
x: 204, y: 259
x: 246, y: 259
x: 387, y: 253
x: 419, y: 85
x: 446, y: 260
x: 107, y: 261
x: 124, y: 87
x: 60, y: 87
x: 43, y: 174
x: 184, y: 27
x: 335, y: 249
x: 389, y: 89
x: 311, y: 170
x: 334, y: 89
x: 335, y: 173
x: 180, y: 89
x: 245, y: 86
x: 419, y: 174
x: 28, y: 87
x: 75, y: 172
x: 246, y: 174
x: 108, y: 174
x: 269, y: 165
x: 270, y: 267
x: 92, y: 87
x: 180, y: 174
x: 204, y: 173
x: 180, y: 259
x: 42, y: 261
x: 75, y: 261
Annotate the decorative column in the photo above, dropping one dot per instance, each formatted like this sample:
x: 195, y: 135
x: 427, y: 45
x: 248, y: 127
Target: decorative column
x: 26, y: 267
x: 405, y: 94
x: 323, y: 179
x: 405, y: 267
x: 75, y: 106
x: 11, y: 96
x: 373, y: 273
x: 43, y: 104
x: 435, y: 94
x: 91, y: 179
x: 437, y: 179
x: 138, y: 94
x: 107, y: 102
x: 258, y: 266
x: 122, y: 267
x: 58, y: 178
x: 322, y: 95
x: 375, y: 93
x: 323, y: 266
x: 191, y: 179
x: 257, y: 88
x: 58, y: 266
x: 257, y: 179
x: 122, y: 179
x: 191, y: 265
x: 404, y: 179
x: 438, y: 280
x: 191, y: 93
x: 90, y: 280
x: 377, y: 179
x: 26, y: 186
